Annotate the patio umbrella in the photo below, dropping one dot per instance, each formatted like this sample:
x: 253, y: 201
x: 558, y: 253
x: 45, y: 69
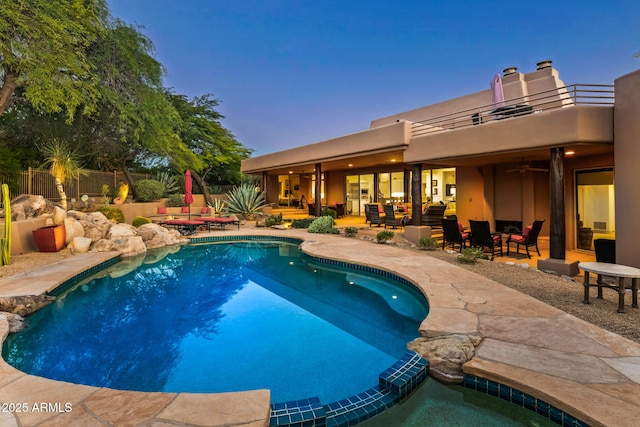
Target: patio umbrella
x: 188, y: 188
x: 497, y: 96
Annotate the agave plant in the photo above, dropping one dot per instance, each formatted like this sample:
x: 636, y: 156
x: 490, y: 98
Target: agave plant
x: 217, y: 206
x: 171, y: 184
x: 245, y: 200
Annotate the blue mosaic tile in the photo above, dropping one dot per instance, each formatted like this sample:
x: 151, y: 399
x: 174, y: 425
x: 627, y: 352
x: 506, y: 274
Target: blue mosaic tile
x: 405, y: 375
x: 521, y: 399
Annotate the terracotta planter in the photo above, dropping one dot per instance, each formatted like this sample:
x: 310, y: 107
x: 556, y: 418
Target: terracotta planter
x: 51, y: 238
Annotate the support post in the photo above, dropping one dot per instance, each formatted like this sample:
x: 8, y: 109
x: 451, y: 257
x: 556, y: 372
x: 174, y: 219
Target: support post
x: 416, y: 194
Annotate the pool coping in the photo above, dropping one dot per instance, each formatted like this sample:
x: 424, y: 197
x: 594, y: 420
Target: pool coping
x: 598, y: 374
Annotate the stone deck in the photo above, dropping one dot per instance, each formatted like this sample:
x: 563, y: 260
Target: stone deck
x: 583, y: 370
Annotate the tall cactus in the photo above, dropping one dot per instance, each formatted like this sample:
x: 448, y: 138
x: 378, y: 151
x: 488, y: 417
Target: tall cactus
x: 5, y: 242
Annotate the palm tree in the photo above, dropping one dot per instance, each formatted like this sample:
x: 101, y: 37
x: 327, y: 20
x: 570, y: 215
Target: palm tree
x: 62, y: 163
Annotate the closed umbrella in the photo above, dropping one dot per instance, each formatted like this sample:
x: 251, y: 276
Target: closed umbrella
x: 188, y: 188
x: 497, y: 96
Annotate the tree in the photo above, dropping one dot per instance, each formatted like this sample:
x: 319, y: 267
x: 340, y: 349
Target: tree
x: 63, y: 163
x: 43, y: 49
x: 217, y: 149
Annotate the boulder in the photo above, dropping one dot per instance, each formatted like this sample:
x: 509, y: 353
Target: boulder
x: 79, y: 215
x: 129, y: 246
x: 26, y: 206
x: 80, y: 245
x: 446, y: 355
x: 157, y: 236
x: 59, y: 215
x: 73, y: 229
x: 96, y: 226
x: 121, y: 230
x: 101, y: 245
x: 24, y: 305
x: 16, y: 322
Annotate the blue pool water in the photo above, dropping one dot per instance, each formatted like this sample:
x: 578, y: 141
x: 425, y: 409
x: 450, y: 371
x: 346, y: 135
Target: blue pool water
x: 223, y: 317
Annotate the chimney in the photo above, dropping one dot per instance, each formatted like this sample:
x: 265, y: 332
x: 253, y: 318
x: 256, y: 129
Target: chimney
x: 509, y: 70
x: 543, y: 64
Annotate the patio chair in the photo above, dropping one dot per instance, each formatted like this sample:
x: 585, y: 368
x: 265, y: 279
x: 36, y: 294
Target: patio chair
x: 374, y: 215
x: 482, y: 237
x: 391, y: 219
x: 529, y: 237
x: 605, y: 250
x: 453, y: 233
x: 432, y: 215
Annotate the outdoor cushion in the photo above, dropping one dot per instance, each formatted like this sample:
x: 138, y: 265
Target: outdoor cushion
x: 526, y: 231
x: 204, y: 210
x: 460, y: 227
x: 517, y: 238
x: 162, y: 211
x: 465, y: 236
x: 185, y: 209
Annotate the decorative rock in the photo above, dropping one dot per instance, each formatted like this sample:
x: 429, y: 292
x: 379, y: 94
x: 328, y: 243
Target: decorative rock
x: 59, y: 215
x: 16, y: 322
x: 24, y: 305
x: 156, y: 236
x: 80, y: 245
x: 446, y: 355
x: 79, y: 215
x: 129, y: 246
x: 73, y: 229
x: 121, y: 230
x: 27, y: 206
x: 102, y: 245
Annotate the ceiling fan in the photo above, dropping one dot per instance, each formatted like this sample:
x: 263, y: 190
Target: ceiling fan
x: 525, y: 168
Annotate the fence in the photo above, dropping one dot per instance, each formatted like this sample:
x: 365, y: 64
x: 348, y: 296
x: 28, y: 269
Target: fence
x: 41, y: 182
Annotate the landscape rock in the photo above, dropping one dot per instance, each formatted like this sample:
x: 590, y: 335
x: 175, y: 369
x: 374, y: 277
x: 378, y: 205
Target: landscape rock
x: 80, y: 245
x: 121, y: 230
x: 59, y: 215
x: 73, y: 229
x: 24, y: 305
x: 446, y: 354
x: 129, y: 246
x: 102, y: 245
x: 26, y: 206
x: 16, y: 322
x: 156, y: 236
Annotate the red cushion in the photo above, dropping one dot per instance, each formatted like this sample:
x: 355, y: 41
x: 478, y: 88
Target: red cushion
x: 460, y: 227
x: 380, y: 209
x: 204, y: 210
x: 464, y: 235
x: 185, y: 209
x: 496, y: 238
x: 526, y: 231
x: 517, y: 238
x: 162, y: 211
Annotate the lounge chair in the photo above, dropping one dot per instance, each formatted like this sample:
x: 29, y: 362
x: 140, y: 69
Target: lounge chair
x: 432, y: 215
x: 453, y: 233
x: 391, y: 219
x: 482, y: 237
x: 529, y: 237
x: 374, y: 215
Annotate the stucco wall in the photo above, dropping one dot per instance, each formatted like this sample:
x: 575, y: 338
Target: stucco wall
x: 627, y: 172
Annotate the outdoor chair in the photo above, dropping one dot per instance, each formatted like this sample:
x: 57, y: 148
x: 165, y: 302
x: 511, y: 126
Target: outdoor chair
x: 374, y: 215
x: 391, y: 219
x: 529, y: 237
x: 312, y: 209
x: 339, y: 208
x: 482, y: 237
x: 453, y: 233
x: 432, y: 215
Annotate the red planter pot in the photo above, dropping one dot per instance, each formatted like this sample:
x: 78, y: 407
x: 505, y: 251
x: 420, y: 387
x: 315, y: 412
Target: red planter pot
x: 51, y: 238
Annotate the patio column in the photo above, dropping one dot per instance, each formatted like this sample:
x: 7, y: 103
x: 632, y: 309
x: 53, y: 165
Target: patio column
x: 263, y: 184
x: 416, y: 194
x: 557, y: 232
x: 318, y: 200
x: 406, y: 186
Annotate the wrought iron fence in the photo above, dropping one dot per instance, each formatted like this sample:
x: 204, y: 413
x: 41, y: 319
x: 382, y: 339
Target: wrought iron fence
x: 40, y: 182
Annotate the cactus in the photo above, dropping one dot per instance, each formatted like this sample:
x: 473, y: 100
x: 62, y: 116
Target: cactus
x: 5, y: 242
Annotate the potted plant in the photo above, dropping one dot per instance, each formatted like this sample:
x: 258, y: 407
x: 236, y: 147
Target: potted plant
x: 50, y: 238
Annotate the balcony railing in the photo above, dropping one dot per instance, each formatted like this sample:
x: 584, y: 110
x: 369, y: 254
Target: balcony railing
x: 563, y: 97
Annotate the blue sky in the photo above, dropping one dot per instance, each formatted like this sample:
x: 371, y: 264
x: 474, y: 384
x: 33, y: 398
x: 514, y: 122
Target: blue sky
x: 290, y: 73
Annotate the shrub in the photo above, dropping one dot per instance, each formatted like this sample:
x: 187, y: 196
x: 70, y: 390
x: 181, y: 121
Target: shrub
x: 321, y: 225
x: 333, y: 231
x: 175, y: 200
x: 140, y: 220
x: 328, y: 212
x: 470, y: 255
x: 148, y: 190
x: 302, y: 223
x: 245, y: 200
x: 350, y: 231
x: 383, y: 236
x: 273, y: 220
x: 114, y: 214
x: 428, y: 244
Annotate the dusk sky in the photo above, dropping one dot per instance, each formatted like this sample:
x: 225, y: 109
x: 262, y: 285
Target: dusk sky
x: 290, y: 73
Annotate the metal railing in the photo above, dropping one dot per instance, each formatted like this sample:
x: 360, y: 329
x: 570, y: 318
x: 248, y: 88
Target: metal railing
x: 40, y: 182
x: 563, y: 97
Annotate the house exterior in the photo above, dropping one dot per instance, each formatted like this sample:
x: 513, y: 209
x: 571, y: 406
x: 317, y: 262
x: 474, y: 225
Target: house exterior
x: 546, y: 152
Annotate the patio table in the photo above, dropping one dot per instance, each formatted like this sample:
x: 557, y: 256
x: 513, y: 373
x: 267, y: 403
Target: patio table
x: 621, y: 272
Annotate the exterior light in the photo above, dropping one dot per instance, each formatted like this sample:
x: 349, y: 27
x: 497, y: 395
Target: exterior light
x: 569, y: 153
x: 350, y: 165
x: 393, y: 160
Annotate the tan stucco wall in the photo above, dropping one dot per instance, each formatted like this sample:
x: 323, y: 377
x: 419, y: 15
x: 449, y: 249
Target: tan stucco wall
x: 542, y: 130
x: 627, y: 172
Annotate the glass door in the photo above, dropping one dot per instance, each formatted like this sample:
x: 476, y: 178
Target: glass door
x: 595, y: 207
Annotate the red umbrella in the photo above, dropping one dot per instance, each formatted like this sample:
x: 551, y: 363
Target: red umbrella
x: 188, y: 188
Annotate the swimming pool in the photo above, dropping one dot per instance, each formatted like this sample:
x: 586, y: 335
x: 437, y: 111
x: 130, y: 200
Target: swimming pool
x: 224, y: 317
